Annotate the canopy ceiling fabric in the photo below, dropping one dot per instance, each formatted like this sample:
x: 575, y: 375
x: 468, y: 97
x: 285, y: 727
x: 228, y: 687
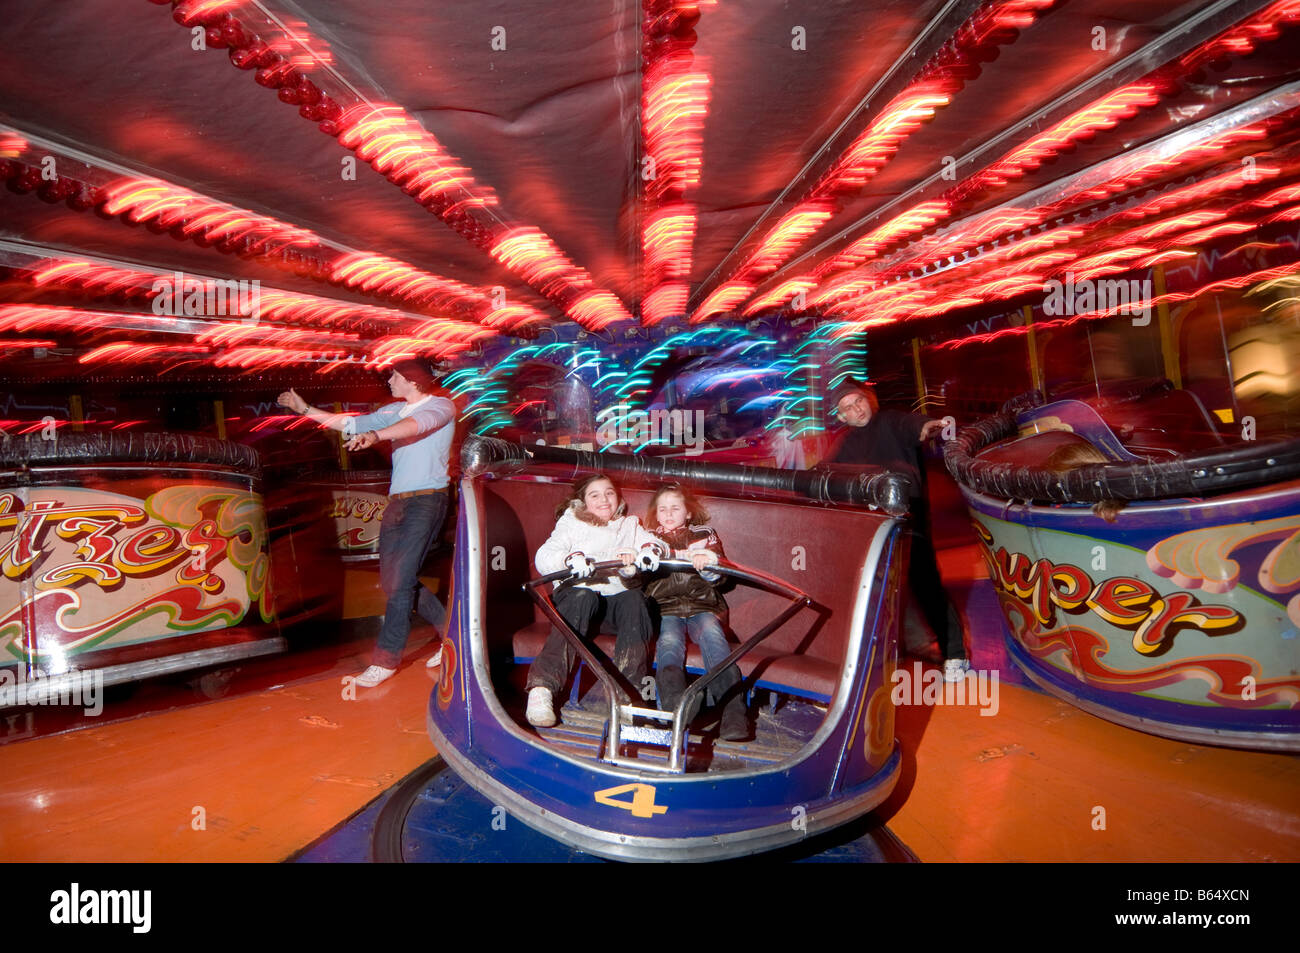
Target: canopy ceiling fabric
x: 542, y: 104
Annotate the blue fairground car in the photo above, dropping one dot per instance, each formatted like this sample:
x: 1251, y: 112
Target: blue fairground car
x: 814, y: 617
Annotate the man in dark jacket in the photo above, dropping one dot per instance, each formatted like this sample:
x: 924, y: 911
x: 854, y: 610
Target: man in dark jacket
x: 892, y: 439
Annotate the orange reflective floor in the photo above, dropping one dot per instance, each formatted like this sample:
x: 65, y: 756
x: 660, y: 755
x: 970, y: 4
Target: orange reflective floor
x: 260, y: 775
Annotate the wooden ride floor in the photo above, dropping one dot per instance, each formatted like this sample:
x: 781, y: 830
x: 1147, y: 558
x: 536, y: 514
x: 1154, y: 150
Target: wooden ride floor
x: 285, y: 758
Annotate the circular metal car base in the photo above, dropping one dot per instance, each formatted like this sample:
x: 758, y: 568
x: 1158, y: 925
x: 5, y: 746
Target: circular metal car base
x: 433, y: 816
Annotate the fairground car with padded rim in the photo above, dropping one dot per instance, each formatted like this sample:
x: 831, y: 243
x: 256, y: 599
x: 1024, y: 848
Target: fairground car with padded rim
x: 818, y: 560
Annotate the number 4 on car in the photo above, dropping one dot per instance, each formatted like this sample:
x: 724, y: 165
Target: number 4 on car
x: 642, y: 803
x: 621, y: 779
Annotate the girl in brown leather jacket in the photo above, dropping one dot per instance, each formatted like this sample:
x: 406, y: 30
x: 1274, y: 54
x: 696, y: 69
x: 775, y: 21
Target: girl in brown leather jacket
x: 690, y: 604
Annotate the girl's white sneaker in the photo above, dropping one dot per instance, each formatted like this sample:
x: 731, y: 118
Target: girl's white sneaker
x: 540, y: 710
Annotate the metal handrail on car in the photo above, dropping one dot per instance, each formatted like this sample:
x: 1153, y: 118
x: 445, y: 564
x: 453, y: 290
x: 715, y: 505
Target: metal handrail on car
x: 614, y: 691
x: 1200, y: 473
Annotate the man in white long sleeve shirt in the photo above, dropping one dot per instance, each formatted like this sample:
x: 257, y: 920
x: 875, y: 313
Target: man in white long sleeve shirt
x: 421, y: 427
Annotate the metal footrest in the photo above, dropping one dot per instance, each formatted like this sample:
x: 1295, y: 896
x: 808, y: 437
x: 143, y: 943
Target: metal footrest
x: 644, y: 734
x: 625, y: 732
x: 643, y: 765
x: 628, y: 712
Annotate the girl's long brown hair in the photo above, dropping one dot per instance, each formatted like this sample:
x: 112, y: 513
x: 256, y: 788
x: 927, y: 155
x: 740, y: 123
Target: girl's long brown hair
x: 696, y: 513
x: 580, y: 490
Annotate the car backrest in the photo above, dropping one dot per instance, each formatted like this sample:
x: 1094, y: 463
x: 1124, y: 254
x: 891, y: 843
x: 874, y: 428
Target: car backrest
x: 817, y: 549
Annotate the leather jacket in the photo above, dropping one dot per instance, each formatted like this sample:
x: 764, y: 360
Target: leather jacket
x: 685, y: 593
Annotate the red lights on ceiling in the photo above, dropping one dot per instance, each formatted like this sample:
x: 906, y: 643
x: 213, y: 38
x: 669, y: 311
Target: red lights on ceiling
x: 395, y: 144
x: 1131, y: 173
x: 724, y: 298
x: 665, y: 300
x: 165, y: 207
x: 534, y: 256
x: 401, y: 150
x: 227, y: 334
x: 1173, y: 297
x: 934, y: 87
x: 1090, y: 255
x: 1243, y: 38
x: 1084, y: 123
x: 263, y: 329
x: 264, y: 358
x: 380, y: 275
x: 226, y: 344
x: 945, y: 75
x: 598, y: 309
x: 24, y: 178
x: 388, y: 277
x: 512, y: 318
x: 875, y: 278
x: 136, y: 352
x: 1177, y: 224
x: 1103, y: 114
x: 787, y: 235
x: 782, y: 293
x: 989, y: 226
x: 869, y: 153
x: 21, y: 343
x: 669, y: 234
x: 674, y: 106
x: 45, y: 318
x: 1112, y: 256
x: 916, y: 219
x: 385, y: 351
x: 168, y: 208
x: 11, y: 144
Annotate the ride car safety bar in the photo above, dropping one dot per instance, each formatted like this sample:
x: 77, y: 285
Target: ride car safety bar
x: 615, y: 693
x: 798, y: 599
x: 854, y: 485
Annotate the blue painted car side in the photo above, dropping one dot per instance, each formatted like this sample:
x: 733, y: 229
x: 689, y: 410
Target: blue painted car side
x: 1224, y: 673
x: 849, y: 766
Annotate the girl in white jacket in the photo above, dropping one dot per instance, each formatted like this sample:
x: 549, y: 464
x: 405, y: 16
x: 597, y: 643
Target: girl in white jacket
x: 593, y: 527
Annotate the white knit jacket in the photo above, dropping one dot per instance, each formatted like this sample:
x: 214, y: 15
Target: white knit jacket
x: 573, y: 534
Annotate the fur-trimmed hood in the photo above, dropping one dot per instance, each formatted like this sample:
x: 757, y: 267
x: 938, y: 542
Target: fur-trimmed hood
x: 573, y: 534
x: 579, y: 509
x: 686, y: 593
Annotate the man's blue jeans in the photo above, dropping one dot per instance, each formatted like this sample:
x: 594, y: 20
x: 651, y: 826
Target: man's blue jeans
x: 705, y: 630
x: 407, y: 533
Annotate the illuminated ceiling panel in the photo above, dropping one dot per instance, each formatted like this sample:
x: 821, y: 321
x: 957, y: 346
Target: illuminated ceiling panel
x: 509, y: 165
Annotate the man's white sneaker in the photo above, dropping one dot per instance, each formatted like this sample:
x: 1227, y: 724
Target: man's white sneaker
x: 435, y: 659
x: 374, y: 675
x: 955, y: 669
x: 540, y: 710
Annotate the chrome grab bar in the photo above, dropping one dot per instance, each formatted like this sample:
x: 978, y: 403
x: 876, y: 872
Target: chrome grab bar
x: 614, y: 692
